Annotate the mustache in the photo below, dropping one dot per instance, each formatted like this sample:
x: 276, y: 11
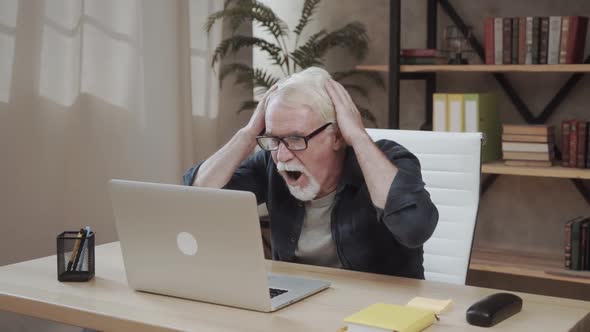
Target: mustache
x: 292, y: 167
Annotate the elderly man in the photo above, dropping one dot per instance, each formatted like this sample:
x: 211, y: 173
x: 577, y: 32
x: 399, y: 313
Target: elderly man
x: 335, y: 197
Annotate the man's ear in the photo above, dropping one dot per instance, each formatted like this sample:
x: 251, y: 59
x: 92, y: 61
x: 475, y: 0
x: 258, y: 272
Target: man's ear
x: 339, y: 142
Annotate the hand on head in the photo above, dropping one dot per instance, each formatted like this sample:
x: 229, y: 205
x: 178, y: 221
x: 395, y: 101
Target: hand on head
x: 348, y: 117
x: 256, y: 123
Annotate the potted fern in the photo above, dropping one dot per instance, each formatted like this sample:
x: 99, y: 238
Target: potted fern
x: 352, y: 37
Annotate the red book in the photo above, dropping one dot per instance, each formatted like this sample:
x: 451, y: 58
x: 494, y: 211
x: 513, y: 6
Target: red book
x: 565, y: 32
x: 582, y: 130
x: 573, y: 139
x: 489, y: 40
x: 565, y: 143
x: 576, y: 39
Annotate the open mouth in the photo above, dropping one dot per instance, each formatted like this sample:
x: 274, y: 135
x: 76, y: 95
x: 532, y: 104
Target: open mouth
x: 293, y: 175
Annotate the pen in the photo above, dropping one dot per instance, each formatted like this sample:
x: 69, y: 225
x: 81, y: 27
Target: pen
x: 75, y: 249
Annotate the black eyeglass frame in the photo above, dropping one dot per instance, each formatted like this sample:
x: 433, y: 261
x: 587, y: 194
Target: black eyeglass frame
x: 283, y: 139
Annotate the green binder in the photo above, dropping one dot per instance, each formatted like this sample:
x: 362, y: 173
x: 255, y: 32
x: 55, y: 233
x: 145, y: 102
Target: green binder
x: 481, y: 115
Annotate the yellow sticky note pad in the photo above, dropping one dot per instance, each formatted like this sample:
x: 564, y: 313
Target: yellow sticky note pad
x: 438, y: 306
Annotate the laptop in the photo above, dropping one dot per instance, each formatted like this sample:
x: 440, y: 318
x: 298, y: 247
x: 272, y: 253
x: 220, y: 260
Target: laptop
x: 201, y: 244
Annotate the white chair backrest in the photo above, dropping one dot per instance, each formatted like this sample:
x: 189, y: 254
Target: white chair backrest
x: 451, y: 169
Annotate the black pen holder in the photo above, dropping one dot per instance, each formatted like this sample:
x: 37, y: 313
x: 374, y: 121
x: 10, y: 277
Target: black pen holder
x: 75, y: 257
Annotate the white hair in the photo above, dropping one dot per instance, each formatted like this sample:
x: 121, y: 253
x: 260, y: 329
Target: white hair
x: 307, y: 88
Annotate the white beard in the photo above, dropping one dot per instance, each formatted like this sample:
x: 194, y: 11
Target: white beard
x: 306, y: 193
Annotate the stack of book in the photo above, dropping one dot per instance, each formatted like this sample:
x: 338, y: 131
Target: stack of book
x: 535, y: 40
x: 528, y: 145
x: 574, y: 143
x: 577, y: 250
x: 422, y: 56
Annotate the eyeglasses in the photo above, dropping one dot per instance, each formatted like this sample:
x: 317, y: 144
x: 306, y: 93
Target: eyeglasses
x: 293, y: 143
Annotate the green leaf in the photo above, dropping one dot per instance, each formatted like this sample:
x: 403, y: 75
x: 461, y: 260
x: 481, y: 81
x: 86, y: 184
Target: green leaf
x: 309, y: 54
x: 235, y: 43
x: 352, y: 36
x: 372, y: 76
x: 308, y: 9
x: 248, y: 105
x: 249, y: 10
x: 247, y: 76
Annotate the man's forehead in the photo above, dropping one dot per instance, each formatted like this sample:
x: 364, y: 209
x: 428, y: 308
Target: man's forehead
x: 283, y: 119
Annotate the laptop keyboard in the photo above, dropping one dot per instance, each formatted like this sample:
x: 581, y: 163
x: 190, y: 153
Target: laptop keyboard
x: 276, y: 292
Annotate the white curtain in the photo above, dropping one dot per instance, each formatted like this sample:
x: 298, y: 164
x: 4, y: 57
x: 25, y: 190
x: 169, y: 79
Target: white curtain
x: 89, y: 90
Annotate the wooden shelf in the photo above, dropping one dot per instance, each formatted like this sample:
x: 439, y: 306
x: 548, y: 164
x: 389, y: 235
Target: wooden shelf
x: 525, y: 264
x: 575, y: 68
x: 498, y: 167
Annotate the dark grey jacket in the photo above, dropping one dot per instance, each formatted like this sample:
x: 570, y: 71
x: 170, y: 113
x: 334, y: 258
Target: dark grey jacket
x: 370, y: 239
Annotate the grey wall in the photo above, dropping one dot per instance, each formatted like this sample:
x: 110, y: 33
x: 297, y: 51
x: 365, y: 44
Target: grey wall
x: 517, y: 212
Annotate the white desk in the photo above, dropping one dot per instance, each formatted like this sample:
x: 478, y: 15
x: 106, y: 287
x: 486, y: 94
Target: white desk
x: 106, y: 303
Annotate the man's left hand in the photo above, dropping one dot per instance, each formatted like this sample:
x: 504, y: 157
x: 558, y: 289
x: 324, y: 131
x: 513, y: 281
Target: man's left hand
x: 347, y: 115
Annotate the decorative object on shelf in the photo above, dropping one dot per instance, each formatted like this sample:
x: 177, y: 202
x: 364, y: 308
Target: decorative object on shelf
x: 422, y: 56
x: 352, y: 38
x: 457, y: 45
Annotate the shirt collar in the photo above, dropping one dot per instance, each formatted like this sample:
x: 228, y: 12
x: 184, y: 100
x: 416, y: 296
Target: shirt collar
x: 351, y: 173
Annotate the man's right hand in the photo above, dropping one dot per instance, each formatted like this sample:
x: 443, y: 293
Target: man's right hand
x: 256, y: 123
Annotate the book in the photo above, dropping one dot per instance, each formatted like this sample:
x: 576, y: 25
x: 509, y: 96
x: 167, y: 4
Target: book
x: 567, y: 250
x: 514, y: 46
x: 527, y: 129
x: 573, y: 143
x: 563, y: 44
x: 529, y: 40
x: 527, y: 155
x: 528, y: 163
x: 577, y: 39
x: 526, y: 147
x: 554, y: 39
x: 536, y: 40
x: 456, y: 112
x: 390, y: 317
x: 527, y: 138
x: 421, y: 52
x: 481, y: 115
x: 575, y: 243
x: 584, y: 245
x: 565, y: 143
x: 498, y: 42
x: 489, y: 40
x: 423, y: 61
x: 587, y: 145
x: 440, y: 118
x: 522, y: 48
x: 507, y: 40
x: 581, y: 142
x: 543, y: 39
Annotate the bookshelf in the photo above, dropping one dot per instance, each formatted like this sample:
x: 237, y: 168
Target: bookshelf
x: 499, y: 167
x: 509, y: 263
x: 576, y: 68
x: 525, y: 264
